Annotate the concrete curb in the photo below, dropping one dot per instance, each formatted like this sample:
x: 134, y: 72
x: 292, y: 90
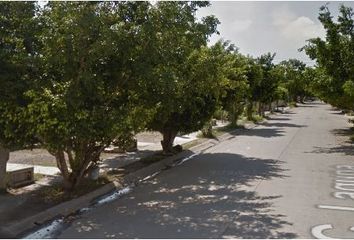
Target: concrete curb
x: 66, y: 208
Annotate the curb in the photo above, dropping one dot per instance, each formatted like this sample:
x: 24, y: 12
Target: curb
x: 69, y: 207
x: 62, y: 209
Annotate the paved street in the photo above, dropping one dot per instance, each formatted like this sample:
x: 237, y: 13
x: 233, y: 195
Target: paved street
x: 287, y: 178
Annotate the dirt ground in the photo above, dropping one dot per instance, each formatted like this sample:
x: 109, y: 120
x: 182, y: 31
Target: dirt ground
x: 153, y: 137
x: 24, y: 202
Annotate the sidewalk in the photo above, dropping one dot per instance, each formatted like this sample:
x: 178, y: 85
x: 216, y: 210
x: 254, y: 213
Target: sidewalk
x: 52, y: 171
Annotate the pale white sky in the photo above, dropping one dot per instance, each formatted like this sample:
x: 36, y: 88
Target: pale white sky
x: 261, y: 27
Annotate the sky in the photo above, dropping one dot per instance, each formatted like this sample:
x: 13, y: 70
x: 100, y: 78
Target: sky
x: 276, y: 27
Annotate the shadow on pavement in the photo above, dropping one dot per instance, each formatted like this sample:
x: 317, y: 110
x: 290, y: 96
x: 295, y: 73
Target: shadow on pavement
x: 346, y: 147
x: 206, y: 197
x: 261, y: 132
x: 279, y: 119
x: 343, y: 131
x: 336, y: 112
x: 275, y: 124
x: 307, y: 105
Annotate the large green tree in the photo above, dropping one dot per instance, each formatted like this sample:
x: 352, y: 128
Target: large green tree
x: 182, y: 79
x: 266, y: 90
x: 234, y: 85
x: 254, y: 75
x: 334, y: 55
x: 18, y: 53
x: 293, y: 78
x: 88, y: 91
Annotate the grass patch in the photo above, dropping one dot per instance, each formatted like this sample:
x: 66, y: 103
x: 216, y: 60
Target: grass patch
x: 256, y: 118
x: 38, y: 176
x: 292, y: 105
x: 228, y: 128
x: 193, y: 143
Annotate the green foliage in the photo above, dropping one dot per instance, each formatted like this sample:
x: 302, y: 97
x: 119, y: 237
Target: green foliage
x: 18, y: 54
x: 269, y: 82
x: 334, y: 56
x: 185, y: 75
x: 220, y: 114
x: 281, y: 93
x: 263, y: 78
x: 207, y: 130
x: 88, y: 92
x: 234, y: 86
x: 348, y: 88
x: 254, y: 76
x: 293, y: 78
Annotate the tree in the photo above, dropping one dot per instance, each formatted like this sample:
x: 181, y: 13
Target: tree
x: 268, y: 85
x: 88, y: 91
x: 254, y: 74
x: 182, y: 79
x: 335, y: 54
x: 293, y: 79
x: 234, y: 85
x: 18, y: 51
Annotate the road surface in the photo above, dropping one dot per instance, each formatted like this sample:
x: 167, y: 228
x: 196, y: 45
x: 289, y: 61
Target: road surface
x: 292, y: 177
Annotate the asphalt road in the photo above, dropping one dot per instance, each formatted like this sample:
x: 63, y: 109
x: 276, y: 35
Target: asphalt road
x: 292, y: 177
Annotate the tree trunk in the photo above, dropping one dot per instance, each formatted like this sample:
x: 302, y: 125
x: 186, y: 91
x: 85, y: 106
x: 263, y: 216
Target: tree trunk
x: 249, y: 111
x: 261, y: 109
x: 237, y: 110
x: 277, y: 106
x: 302, y: 99
x: 4, y: 157
x: 167, y: 141
x: 81, y: 161
x: 233, y: 115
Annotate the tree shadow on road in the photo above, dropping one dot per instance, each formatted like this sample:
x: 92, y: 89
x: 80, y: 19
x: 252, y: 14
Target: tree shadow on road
x: 336, y: 111
x: 347, y: 150
x: 279, y: 119
x: 261, y: 132
x: 288, y: 113
x: 210, y: 196
x: 282, y: 125
x: 306, y: 105
x: 345, y: 147
x: 343, y: 131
